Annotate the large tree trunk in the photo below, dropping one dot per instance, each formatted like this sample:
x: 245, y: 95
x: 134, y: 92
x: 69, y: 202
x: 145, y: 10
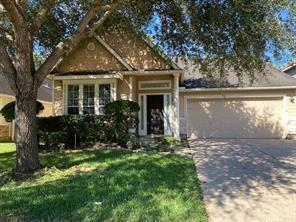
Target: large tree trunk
x: 26, y: 133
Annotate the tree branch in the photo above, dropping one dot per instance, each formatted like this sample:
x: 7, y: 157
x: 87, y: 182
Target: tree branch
x: 41, y: 15
x: 22, y: 7
x: 7, y: 68
x: 69, y: 44
x: 15, y: 16
x: 96, y: 8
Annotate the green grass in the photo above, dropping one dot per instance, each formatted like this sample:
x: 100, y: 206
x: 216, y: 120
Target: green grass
x: 103, y: 185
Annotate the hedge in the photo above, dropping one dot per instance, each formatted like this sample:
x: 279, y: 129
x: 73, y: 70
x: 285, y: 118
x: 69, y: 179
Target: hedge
x: 73, y: 131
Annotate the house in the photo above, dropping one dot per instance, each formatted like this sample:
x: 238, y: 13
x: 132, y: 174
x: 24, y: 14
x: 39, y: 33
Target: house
x: 7, y: 96
x: 290, y: 69
x: 120, y: 64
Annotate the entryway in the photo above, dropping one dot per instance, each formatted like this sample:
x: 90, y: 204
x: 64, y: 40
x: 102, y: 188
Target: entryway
x: 155, y: 116
x: 155, y: 113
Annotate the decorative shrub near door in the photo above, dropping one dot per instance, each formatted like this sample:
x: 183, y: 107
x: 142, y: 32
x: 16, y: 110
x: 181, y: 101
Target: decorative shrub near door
x: 78, y: 131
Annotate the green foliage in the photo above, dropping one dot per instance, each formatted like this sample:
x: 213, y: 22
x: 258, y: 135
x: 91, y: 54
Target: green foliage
x: 121, y: 115
x: 75, y: 130
x: 132, y: 141
x: 218, y: 33
x: 168, y: 143
x: 8, y: 110
x: 85, y: 130
x: 105, y: 185
x: 56, y: 140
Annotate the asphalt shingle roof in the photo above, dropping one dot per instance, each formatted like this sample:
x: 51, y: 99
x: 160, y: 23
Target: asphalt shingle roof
x: 272, y: 77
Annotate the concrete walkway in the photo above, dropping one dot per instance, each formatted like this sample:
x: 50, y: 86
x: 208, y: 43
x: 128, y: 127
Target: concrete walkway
x: 247, y: 180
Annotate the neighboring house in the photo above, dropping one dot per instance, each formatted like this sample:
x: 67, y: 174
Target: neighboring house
x: 7, y: 96
x: 290, y: 69
x: 122, y: 65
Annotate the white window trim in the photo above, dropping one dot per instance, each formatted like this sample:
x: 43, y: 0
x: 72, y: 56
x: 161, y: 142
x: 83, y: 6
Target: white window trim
x: 112, y: 82
x: 155, y: 88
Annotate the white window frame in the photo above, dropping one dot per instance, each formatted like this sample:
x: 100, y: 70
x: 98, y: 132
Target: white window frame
x: 155, y: 88
x: 96, y: 83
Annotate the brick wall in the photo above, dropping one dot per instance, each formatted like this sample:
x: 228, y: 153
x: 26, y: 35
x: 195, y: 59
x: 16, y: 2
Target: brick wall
x: 4, y: 133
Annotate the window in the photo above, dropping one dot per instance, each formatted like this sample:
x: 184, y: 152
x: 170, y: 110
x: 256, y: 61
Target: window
x: 73, y: 99
x: 104, y: 96
x: 153, y: 85
x: 88, y: 99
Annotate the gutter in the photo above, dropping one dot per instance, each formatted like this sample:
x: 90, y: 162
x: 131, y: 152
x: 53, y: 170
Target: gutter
x: 151, y: 73
x: 183, y: 89
x: 118, y: 75
x: 289, y: 68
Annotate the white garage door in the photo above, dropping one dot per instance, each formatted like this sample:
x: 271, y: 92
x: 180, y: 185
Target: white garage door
x: 235, y: 118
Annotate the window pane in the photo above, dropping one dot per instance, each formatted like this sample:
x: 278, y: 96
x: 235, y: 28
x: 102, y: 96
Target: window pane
x: 88, y: 110
x: 104, y: 94
x: 73, y: 110
x: 155, y: 85
x: 88, y: 99
x: 73, y: 99
x: 73, y: 95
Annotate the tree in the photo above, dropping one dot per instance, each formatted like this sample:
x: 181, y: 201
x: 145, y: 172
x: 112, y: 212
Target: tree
x: 231, y: 32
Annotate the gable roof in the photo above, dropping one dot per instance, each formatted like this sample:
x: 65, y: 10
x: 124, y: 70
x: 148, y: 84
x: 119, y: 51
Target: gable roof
x: 272, y: 77
x: 124, y: 49
x: 44, y: 92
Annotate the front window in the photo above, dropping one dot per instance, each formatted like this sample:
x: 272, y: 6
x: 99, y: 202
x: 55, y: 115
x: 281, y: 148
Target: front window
x: 88, y: 98
x: 73, y: 99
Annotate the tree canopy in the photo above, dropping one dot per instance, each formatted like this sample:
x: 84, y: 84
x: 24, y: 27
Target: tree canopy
x: 237, y: 33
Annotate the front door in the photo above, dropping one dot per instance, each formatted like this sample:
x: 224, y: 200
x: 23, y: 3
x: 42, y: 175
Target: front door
x: 155, y: 119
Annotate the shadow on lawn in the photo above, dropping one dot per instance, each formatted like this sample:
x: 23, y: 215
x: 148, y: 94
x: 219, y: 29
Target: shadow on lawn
x: 131, y: 187
x: 7, y: 161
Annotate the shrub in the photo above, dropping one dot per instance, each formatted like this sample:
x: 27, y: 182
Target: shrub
x: 121, y: 115
x: 132, y: 141
x: 56, y: 140
x: 78, y: 131
x: 8, y: 110
x: 84, y: 130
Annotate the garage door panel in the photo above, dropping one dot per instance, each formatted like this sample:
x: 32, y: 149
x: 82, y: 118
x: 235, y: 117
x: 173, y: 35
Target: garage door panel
x: 235, y: 118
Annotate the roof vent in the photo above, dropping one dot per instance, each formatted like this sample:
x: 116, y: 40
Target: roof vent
x: 91, y: 46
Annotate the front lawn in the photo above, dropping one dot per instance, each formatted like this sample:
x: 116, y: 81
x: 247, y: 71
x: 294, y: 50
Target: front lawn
x: 103, y: 185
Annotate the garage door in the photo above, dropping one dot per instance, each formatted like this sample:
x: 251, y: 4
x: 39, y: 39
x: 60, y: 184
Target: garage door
x: 235, y: 118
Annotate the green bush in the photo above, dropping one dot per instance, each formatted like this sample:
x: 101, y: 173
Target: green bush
x: 57, y: 141
x: 121, y: 115
x: 74, y: 131
x: 78, y: 130
x: 8, y: 110
x: 132, y: 141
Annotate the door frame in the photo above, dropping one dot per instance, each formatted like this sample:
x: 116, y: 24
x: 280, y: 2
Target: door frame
x: 167, y: 109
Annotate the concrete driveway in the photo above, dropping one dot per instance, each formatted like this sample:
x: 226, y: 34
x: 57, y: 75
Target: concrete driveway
x: 247, y: 180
